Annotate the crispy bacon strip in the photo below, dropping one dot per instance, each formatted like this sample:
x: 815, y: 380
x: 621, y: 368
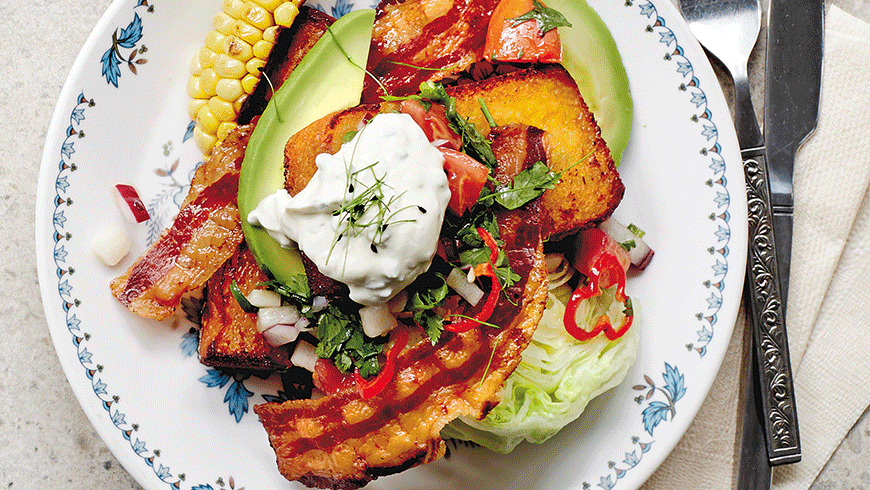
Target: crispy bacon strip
x: 445, y: 34
x: 206, y: 232
x: 343, y: 441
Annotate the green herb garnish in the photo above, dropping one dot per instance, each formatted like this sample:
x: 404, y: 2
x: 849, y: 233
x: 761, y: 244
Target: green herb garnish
x: 424, y: 299
x: 240, y: 298
x: 628, y: 245
x: 637, y: 231
x: 546, y: 18
x: 342, y: 340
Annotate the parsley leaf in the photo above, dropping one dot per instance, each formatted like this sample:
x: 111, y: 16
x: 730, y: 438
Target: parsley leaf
x: 473, y: 143
x: 342, y: 340
x: 546, y: 18
x: 428, y: 296
x: 295, y: 290
x: 527, y: 185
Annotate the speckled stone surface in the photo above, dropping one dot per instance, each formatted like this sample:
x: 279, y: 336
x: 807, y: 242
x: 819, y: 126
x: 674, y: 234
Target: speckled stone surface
x: 46, y: 441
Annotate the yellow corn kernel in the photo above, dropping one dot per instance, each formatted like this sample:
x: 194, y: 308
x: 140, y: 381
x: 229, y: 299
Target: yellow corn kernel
x: 204, y: 142
x: 246, y: 32
x: 221, y: 109
x: 214, y: 40
x: 285, y: 14
x: 224, y: 130
x: 262, y: 49
x: 229, y: 88
x: 254, y: 66
x: 237, y: 104
x: 233, y: 8
x: 193, y: 107
x: 195, y: 66
x: 206, y: 57
x: 194, y: 88
x: 228, y: 67
x: 271, y: 34
x: 257, y: 16
x: 269, y: 5
x: 238, y: 49
x: 249, y: 83
x: 207, y: 81
x: 223, y: 23
x: 206, y: 120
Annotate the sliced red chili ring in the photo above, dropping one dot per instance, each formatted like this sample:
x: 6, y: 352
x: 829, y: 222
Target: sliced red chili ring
x: 605, y: 263
x: 369, y: 388
x: 486, y: 269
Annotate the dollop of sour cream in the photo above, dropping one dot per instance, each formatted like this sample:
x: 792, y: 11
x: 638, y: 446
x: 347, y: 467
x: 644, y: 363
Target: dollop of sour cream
x: 372, y: 213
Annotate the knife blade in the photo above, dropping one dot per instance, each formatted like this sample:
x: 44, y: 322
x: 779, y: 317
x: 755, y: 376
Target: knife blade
x: 792, y: 87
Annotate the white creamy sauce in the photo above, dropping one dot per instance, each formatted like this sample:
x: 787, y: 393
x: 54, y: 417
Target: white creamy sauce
x: 388, y: 174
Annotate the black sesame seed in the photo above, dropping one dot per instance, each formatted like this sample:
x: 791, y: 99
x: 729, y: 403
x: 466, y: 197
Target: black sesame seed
x: 374, y: 248
x: 422, y: 209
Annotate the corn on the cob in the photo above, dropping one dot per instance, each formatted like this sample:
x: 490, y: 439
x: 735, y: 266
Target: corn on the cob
x: 227, y: 68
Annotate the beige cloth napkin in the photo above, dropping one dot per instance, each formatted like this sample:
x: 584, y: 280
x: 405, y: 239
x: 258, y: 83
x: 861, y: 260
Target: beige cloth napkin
x: 828, y: 326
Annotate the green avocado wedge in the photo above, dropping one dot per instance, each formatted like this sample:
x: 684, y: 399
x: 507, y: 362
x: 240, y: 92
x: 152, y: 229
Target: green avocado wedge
x: 324, y: 82
x: 589, y: 54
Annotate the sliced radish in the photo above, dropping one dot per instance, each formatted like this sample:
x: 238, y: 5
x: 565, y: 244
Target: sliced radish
x: 459, y: 282
x: 281, y: 315
x: 110, y: 245
x: 638, y: 250
x: 263, y: 298
x: 377, y: 320
x: 304, y: 356
x: 280, y: 334
x: 127, y: 198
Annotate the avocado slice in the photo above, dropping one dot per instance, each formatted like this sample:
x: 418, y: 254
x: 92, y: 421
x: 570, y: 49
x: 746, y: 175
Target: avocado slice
x: 589, y: 54
x: 324, y: 82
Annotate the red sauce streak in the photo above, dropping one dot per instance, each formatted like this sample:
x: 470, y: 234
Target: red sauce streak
x: 160, y: 258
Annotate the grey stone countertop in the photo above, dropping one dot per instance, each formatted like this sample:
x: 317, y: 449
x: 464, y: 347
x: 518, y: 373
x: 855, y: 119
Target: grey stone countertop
x: 46, y: 441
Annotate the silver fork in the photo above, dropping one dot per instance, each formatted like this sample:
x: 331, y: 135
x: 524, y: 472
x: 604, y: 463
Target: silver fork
x: 729, y: 29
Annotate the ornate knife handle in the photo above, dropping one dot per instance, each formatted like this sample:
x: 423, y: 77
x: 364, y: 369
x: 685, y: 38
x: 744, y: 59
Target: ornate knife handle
x: 768, y: 318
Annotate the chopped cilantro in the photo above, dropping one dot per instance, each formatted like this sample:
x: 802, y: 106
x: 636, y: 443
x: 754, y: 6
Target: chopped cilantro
x: 428, y: 294
x: 342, y: 340
x: 637, y: 231
x: 628, y: 245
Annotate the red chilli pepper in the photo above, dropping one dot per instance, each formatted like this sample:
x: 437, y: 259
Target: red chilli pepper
x: 606, y: 263
x: 487, y: 269
x: 369, y: 388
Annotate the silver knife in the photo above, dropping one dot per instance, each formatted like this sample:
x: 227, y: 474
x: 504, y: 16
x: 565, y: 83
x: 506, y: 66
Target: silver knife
x: 792, y: 88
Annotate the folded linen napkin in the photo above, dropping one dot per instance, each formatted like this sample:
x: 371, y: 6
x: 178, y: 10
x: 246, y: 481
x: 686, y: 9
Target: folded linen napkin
x: 828, y: 336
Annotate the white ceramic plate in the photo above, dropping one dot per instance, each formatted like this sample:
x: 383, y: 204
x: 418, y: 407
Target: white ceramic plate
x: 175, y: 423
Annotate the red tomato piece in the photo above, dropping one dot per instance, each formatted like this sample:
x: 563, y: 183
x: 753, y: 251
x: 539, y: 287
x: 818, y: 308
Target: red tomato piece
x: 465, y: 177
x: 522, y: 42
x: 591, y: 244
x: 433, y: 122
x: 328, y: 379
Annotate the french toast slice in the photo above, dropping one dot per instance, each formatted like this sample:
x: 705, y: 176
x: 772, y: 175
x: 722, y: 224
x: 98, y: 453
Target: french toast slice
x: 543, y: 96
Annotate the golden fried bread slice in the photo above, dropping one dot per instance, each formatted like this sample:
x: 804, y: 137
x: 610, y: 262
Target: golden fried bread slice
x: 229, y: 337
x: 545, y: 97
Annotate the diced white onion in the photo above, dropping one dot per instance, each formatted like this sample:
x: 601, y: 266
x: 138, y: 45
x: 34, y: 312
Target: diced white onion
x: 468, y: 290
x: 280, y: 334
x: 438, y: 142
x: 110, y: 245
x: 318, y: 303
x: 263, y: 298
x: 304, y: 324
x: 377, y: 320
x: 304, y: 356
x: 640, y: 254
x: 267, y: 317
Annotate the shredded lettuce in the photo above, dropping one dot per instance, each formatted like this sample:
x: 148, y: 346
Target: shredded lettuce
x: 552, y: 385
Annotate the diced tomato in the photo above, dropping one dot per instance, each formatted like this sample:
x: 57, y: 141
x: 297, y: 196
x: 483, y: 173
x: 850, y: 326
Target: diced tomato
x: 465, y: 177
x: 433, y: 122
x: 522, y: 42
x: 591, y: 244
x: 328, y: 379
